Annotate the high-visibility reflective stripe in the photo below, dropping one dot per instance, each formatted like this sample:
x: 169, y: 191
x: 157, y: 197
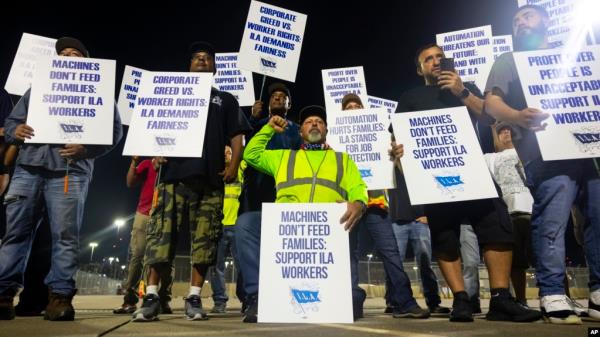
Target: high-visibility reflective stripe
x: 231, y: 196
x: 291, y: 181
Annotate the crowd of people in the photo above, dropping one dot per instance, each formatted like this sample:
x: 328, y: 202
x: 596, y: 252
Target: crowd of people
x: 219, y: 198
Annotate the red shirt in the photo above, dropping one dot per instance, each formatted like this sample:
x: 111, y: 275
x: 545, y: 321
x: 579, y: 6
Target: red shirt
x: 145, y: 203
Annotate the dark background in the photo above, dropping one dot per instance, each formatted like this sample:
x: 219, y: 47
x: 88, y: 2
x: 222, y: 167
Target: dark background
x: 382, y: 36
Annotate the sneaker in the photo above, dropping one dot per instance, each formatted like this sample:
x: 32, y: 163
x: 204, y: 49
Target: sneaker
x: 504, y: 307
x: 193, y: 309
x: 149, y: 309
x: 579, y: 309
x: 556, y: 309
x: 475, y: 304
x: 165, y: 308
x: 439, y: 310
x: 593, y: 310
x: 60, y: 308
x: 7, y: 310
x: 462, y: 309
x: 219, y: 308
x: 125, y: 309
x: 252, y: 311
x: 415, y: 312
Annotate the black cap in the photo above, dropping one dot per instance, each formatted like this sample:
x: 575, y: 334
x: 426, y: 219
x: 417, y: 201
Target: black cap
x: 199, y: 46
x: 351, y: 97
x: 277, y: 86
x: 499, y: 126
x: 70, y: 42
x: 313, y: 110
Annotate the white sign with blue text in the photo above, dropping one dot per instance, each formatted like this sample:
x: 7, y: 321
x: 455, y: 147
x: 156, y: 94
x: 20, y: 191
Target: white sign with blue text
x: 234, y: 80
x: 472, y: 51
x: 341, y: 81
x: 21, y: 73
x: 272, y: 41
x: 169, y: 118
x: 377, y: 102
x: 565, y: 85
x: 304, y: 264
x: 502, y: 44
x: 364, y: 135
x: 442, y: 159
x: 130, y: 86
x: 72, y: 100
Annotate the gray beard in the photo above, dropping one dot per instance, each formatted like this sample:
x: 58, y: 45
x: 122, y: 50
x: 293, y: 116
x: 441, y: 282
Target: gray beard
x: 314, y: 137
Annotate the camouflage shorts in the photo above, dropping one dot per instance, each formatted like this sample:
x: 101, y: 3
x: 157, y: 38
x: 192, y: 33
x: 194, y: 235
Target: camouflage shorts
x: 180, y: 204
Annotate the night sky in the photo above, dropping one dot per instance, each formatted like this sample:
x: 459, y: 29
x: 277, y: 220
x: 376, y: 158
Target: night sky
x: 382, y: 36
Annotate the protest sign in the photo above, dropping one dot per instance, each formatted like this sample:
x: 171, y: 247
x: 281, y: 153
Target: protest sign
x: 304, y: 264
x: 472, y: 51
x: 234, y: 80
x: 442, y: 159
x: 502, y: 44
x: 169, y: 118
x: 72, y: 100
x: 21, y: 73
x: 129, y: 88
x: 565, y: 85
x: 272, y: 41
x: 341, y: 81
x: 377, y: 102
x: 364, y: 135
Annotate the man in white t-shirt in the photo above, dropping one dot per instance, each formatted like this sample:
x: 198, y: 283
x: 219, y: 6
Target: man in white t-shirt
x: 507, y: 170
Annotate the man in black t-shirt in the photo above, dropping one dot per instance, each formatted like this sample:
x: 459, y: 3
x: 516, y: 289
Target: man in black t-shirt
x: 489, y: 217
x: 191, y: 192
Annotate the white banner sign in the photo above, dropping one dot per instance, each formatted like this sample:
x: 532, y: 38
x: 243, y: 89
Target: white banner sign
x: 472, y: 51
x: 364, y: 135
x: 21, y: 73
x: 562, y: 15
x: 304, y: 264
x: 169, y: 118
x: 376, y: 102
x: 567, y: 86
x: 341, y: 81
x: 130, y: 86
x: 442, y: 159
x: 234, y: 80
x: 502, y: 44
x: 72, y: 101
x: 272, y: 41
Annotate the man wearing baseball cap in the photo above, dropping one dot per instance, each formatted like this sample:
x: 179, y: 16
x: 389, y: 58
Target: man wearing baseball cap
x: 38, y: 182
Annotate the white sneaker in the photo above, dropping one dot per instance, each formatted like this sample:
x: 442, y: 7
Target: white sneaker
x: 593, y: 308
x: 557, y: 310
x: 579, y: 309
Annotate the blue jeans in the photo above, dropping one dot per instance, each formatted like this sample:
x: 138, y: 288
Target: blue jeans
x: 217, y: 278
x: 556, y: 186
x: 379, y: 227
x: 420, y: 239
x: 30, y: 187
x: 469, y: 252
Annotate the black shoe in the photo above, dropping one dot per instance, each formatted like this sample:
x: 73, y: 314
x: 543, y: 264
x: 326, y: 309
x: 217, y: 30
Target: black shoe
x: 389, y: 310
x: 7, y: 310
x: 439, y: 310
x: 357, y: 304
x: 60, y: 308
x: 165, y: 308
x: 244, y: 307
x: 475, y: 304
x: 125, y: 309
x: 415, y: 312
x: 462, y: 310
x: 504, y: 307
x: 252, y: 311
